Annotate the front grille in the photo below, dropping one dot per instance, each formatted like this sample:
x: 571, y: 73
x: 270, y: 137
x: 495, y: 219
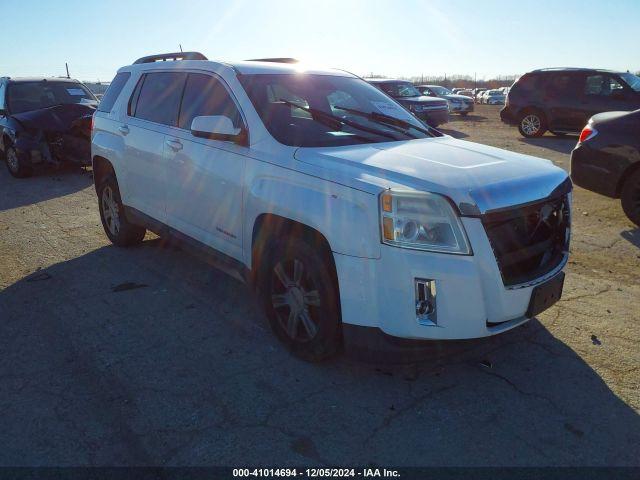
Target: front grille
x: 529, y: 241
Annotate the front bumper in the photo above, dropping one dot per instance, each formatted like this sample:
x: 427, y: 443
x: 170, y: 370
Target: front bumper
x: 508, y: 116
x: 434, y: 117
x: 471, y: 299
x: 461, y: 107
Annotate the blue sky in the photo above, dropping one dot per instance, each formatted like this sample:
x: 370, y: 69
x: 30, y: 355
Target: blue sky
x: 394, y: 38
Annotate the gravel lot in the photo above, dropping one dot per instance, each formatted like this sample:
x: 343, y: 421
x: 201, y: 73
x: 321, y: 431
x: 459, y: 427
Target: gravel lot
x: 182, y: 370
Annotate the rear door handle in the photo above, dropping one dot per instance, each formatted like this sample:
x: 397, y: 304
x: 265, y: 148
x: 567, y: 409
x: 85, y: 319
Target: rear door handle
x: 123, y: 129
x: 175, y: 145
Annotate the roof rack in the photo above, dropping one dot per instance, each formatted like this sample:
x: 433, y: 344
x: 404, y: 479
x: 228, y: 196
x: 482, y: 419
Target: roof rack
x: 163, y: 57
x: 275, y: 60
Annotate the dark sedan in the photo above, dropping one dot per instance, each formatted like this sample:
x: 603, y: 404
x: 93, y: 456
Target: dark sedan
x: 44, y: 121
x: 432, y: 111
x: 607, y: 159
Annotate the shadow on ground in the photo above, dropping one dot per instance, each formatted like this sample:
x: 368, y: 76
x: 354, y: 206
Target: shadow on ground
x: 146, y: 356
x: 472, y: 117
x: 562, y: 144
x: 44, y: 185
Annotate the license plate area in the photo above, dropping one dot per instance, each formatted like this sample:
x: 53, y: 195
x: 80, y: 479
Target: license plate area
x: 545, y: 295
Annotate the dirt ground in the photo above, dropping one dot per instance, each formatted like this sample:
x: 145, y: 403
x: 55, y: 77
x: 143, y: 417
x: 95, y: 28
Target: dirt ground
x: 146, y: 356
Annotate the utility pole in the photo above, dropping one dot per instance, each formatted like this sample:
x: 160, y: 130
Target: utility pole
x: 180, y: 45
x: 66, y: 65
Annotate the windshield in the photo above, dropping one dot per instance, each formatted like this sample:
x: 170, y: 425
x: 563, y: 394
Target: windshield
x: 400, y: 89
x: 27, y: 96
x: 632, y: 80
x: 441, y: 91
x: 307, y: 110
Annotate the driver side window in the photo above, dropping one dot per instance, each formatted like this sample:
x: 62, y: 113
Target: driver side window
x: 205, y: 96
x: 601, y: 85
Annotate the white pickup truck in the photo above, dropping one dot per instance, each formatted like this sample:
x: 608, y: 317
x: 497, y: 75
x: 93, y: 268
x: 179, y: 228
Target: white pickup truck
x: 355, y: 223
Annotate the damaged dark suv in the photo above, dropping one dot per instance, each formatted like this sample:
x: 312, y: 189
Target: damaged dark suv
x: 44, y: 121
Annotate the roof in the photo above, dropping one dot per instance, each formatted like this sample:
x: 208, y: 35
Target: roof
x: 250, y: 67
x: 247, y: 67
x: 573, y: 69
x: 41, y: 79
x: 385, y: 80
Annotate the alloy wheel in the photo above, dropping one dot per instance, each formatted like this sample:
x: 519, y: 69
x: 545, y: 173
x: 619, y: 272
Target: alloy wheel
x: 12, y: 161
x: 531, y: 124
x: 295, y: 300
x: 110, y: 211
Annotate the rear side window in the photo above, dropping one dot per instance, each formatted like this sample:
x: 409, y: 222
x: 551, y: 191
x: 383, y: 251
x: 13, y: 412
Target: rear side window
x: 112, y: 93
x: 526, y: 84
x: 561, y: 86
x: 159, y: 96
x: 205, y: 95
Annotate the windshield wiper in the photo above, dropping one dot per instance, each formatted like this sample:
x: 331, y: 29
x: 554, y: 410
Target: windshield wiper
x: 385, y: 120
x: 335, y: 122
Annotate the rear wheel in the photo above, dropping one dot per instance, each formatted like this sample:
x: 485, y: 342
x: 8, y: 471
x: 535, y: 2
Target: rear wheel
x: 119, y: 230
x: 630, y: 197
x: 532, y: 124
x: 16, y: 165
x: 300, y: 296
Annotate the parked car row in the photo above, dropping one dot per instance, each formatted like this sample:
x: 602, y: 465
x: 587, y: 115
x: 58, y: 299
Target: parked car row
x: 457, y: 103
x: 433, y: 111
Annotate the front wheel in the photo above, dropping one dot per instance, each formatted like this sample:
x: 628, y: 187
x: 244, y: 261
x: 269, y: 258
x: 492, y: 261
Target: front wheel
x: 300, y: 296
x: 16, y: 165
x: 119, y: 230
x: 532, y: 124
x: 630, y: 197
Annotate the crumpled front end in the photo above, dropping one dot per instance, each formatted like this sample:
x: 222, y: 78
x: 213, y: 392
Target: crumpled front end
x: 55, y: 135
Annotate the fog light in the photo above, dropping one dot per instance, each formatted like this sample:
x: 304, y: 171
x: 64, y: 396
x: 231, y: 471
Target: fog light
x: 426, y: 301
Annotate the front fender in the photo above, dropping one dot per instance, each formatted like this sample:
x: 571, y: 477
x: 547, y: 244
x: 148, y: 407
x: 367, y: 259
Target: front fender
x: 346, y: 217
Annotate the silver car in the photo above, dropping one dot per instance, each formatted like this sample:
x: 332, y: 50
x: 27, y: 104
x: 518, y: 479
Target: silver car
x: 494, y: 97
x: 457, y: 103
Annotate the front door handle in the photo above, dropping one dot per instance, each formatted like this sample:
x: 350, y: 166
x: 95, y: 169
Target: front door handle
x: 174, y: 145
x: 123, y: 129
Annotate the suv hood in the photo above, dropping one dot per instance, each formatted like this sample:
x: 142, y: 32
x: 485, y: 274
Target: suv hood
x: 476, y: 177
x: 421, y: 99
x: 457, y: 97
x: 58, y: 118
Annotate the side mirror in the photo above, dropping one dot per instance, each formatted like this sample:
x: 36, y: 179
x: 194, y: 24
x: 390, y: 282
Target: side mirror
x: 218, y: 127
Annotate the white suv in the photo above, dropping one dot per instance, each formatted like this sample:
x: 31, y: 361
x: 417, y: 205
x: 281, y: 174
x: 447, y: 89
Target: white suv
x: 354, y: 222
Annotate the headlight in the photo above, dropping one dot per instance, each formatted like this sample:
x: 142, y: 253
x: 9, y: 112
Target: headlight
x: 421, y: 221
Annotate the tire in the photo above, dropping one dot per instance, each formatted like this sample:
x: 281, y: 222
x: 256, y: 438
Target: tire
x: 119, y: 230
x: 300, y: 296
x: 15, y: 165
x: 630, y: 197
x: 532, y: 124
x: 464, y: 114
